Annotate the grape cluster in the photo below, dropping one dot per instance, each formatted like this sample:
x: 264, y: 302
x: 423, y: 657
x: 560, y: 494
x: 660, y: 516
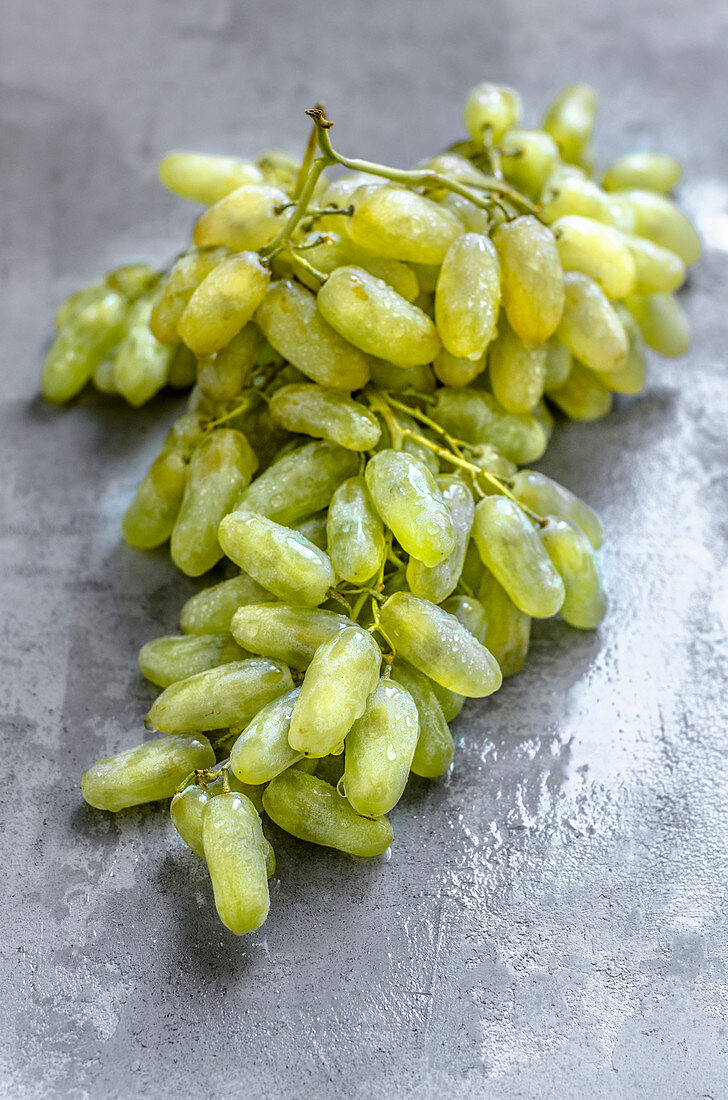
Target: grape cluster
x: 373, y: 356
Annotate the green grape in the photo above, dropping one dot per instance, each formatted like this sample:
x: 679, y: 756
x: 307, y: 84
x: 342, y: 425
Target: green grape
x: 565, y: 195
x: 132, y: 280
x: 279, y: 168
x: 410, y: 445
x: 547, y: 498
x: 261, y: 750
x: 326, y: 414
x: 278, y: 558
x: 336, y: 250
x: 438, y: 581
x: 312, y: 810
x: 187, y: 811
x: 299, y: 483
x: 478, y: 418
x: 661, y: 321
x: 590, y: 328
x: 508, y: 628
x: 582, y: 396
x: 151, y: 516
x: 141, y: 364
x: 222, y: 376
x: 527, y: 159
x: 510, y: 547
x: 558, y: 363
x: 103, y: 377
x: 473, y: 219
x: 470, y: 612
x: 597, y: 250
x: 223, y: 303
x: 517, y: 371
x: 437, y: 644
x: 631, y: 377
x: 146, y: 773
x: 245, y: 219
x: 339, y: 194
x: 175, y: 657
x: 291, y: 321
x: 487, y: 458
x: 286, y: 632
x: 229, y: 695
x: 185, y: 433
x: 570, y: 120
x: 236, y: 851
x: 211, y: 610
x: 355, y: 534
x: 182, y: 368
x: 402, y: 225
x: 427, y: 275
x: 458, y: 168
x: 451, y: 703
x: 79, y: 299
x: 468, y: 294
x: 313, y: 528
x: 344, y: 670
x: 660, y: 220
x: 532, y: 279
x: 388, y: 377
x: 177, y: 289
x: 410, y: 502
x: 658, y: 270
x: 434, y: 750
x: 86, y: 339
x: 373, y: 317
x: 379, y: 750
x: 572, y: 554
x: 205, y: 177
x: 490, y: 110
x: 645, y: 171
x: 455, y: 372
x: 220, y: 468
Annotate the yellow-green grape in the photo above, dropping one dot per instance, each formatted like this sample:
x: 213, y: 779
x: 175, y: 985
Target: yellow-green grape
x: 388, y: 377
x: 312, y: 810
x: 262, y: 750
x: 246, y: 219
x: 490, y: 110
x: 146, y: 773
x: 182, y: 368
x: 546, y: 497
x: 223, y: 302
x: 661, y: 321
x: 402, y: 225
x: 291, y: 321
x: 509, y: 628
x: 439, y: 645
x: 220, y: 468
x: 660, y: 220
x: 222, y: 376
x: 457, y: 372
x: 477, y: 417
x: 187, y: 810
x: 410, y: 502
x: 558, y: 363
x: 314, y: 529
x: 457, y: 167
x: 509, y: 545
x: 151, y: 516
x: 531, y: 276
x: 89, y: 335
x: 470, y: 612
x: 658, y: 270
x: 278, y: 167
x: 570, y: 120
x: 339, y: 194
x: 235, y: 852
x: 631, y: 377
x: 597, y: 250
x: 582, y: 396
x: 78, y: 299
x: 205, y: 177
x: 103, y: 377
x: 451, y: 703
x: 280, y: 559
x: 186, y: 432
x: 131, y: 280
x: 141, y: 364
x: 438, y: 581
x: 572, y: 554
x: 299, y: 483
x: 355, y: 534
x: 373, y: 317
x: 527, y: 159
x: 517, y: 371
x: 645, y: 171
x: 468, y: 296
x: 434, y: 750
x: 473, y: 218
x: 566, y: 195
x: 229, y: 695
x: 211, y: 610
x: 287, y: 632
x: 336, y: 250
x: 412, y: 446
x: 590, y: 327
x: 344, y: 670
x: 311, y: 410
x: 177, y: 289
x: 175, y: 657
x: 487, y: 458
x: 379, y: 750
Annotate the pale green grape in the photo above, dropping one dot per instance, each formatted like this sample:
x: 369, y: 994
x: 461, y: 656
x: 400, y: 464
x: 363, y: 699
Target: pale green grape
x: 546, y: 497
x: 247, y: 218
x: 470, y: 612
x: 226, y: 696
x: 299, y: 483
x: 402, y: 225
x: 531, y: 278
x: 660, y: 220
x: 326, y: 414
x: 89, y: 335
x: 175, y: 657
x: 477, y: 417
x: 141, y: 363
x: 261, y: 751
x: 583, y: 396
x: 223, y: 375
x: 286, y: 632
x: 646, y: 171
x: 590, y: 328
x: 223, y: 303
x: 490, y: 110
x: 205, y: 177
x: 146, y: 773
x: 408, y: 499
x: 585, y: 603
x: 527, y: 159
x: 151, y: 516
x: 235, y: 852
x: 517, y: 371
x: 597, y: 250
x: 508, y: 628
x: 468, y: 296
x: 438, y: 581
x: 379, y: 750
x: 211, y: 610
x: 278, y: 558
x: 570, y: 120
x: 661, y: 321
x: 337, y: 250
x: 177, y: 289
x: 355, y: 534
x: 434, y: 750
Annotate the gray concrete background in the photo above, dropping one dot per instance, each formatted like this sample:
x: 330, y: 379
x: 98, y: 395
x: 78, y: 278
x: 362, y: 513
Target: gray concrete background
x: 552, y: 922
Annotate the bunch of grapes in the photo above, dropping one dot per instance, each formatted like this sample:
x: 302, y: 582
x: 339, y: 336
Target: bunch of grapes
x: 372, y: 358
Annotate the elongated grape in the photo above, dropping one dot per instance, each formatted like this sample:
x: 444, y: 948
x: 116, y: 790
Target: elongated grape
x: 547, y: 497
x: 226, y: 696
x: 355, y: 534
x: 490, y: 110
x: 473, y: 218
x: 372, y: 316
x: 451, y: 703
x: 570, y: 120
x: 299, y: 483
x: 631, y: 377
x: 411, y: 445
x: 78, y: 299
x: 558, y: 363
x: 220, y: 468
x: 141, y: 363
x: 468, y: 296
x: 477, y: 417
x: 175, y: 657
x: 130, y: 280
x: 223, y: 303
x: 314, y: 811
x: 396, y: 379
x: 658, y: 270
x: 660, y: 220
x: 326, y: 414
x: 337, y: 250
x: 262, y: 750
x: 182, y: 372
x: 597, y: 250
x: 235, y: 851
x: 531, y: 278
x: 187, y: 811
x: 146, y: 773
x: 379, y: 750
x: 333, y: 695
x: 509, y: 545
x: 585, y: 603
x: 583, y: 396
x: 205, y: 177
x: 313, y: 528
x: 457, y: 372
x: 487, y: 458
x: 566, y: 195
x: 151, y: 516
x: 661, y: 321
x: 434, y: 750
x: 439, y: 645
x: 222, y: 376
x: 438, y: 581
x: 470, y: 612
x: 177, y: 289
x: 103, y: 377
x: 185, y: 433
x: 280, y: 559
x: 401, y: 225
x: 287, y: 632
x: 410, y: 502
x: 590, y: 327
x: 246, y: 219
x: 86, y: 339
x: 211, y: 610
x: 508, y: 628
x: 527, y: 159
x: 517, y: 371
x: 645, y: 171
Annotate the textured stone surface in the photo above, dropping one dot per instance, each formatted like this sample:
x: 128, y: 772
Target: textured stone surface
x: 552, y: 922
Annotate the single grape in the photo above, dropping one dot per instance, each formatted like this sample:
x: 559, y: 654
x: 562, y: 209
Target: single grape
x: 379, y: 750
x: 146, y: 773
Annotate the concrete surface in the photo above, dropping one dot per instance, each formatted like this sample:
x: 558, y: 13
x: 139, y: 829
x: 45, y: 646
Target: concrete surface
x: 552, y: 922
